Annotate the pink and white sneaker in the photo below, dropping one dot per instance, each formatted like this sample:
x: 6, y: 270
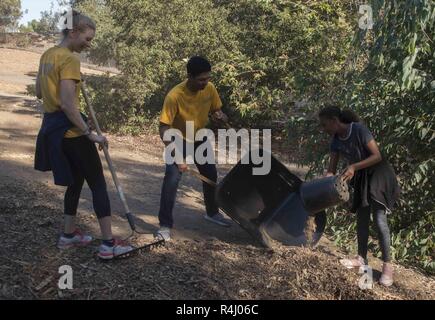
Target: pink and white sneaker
x: 351, y: 263
x: 79, y: 240
x: 119, y: 247
x: 387, y: 275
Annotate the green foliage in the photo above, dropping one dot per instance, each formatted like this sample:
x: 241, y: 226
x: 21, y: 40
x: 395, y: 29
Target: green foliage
x: 391, y: 87
x: 10, y: 13
x: 48, y: 23
x: 296, y: 49
x: 258, y: 50
x: 105, y: 41
x: 31, y: 26
x: 150, y: 44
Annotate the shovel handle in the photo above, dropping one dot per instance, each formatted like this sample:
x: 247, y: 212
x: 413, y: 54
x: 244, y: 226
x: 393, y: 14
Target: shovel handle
x: 201, y: 177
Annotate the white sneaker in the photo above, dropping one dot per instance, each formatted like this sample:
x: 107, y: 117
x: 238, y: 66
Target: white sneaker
x: 350, y: 263
x: 219, y: 219
x: 106, y: 252
x: 387, y: 275
x: 79, y: 240
x: 163, y: 233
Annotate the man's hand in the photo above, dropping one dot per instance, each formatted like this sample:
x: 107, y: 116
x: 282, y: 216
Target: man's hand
x: 219, y: 116
x: 348, y: 173
x: 182, y: 167
x: 101, y: 140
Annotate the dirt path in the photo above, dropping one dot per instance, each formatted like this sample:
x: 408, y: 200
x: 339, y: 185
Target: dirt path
x: 205, y: 261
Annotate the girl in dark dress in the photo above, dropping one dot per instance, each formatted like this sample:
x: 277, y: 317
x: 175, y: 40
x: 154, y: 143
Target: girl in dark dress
x: 373, y: 179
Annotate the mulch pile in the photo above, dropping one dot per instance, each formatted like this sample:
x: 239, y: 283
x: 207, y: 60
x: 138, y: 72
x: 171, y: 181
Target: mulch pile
x: 30, y: 217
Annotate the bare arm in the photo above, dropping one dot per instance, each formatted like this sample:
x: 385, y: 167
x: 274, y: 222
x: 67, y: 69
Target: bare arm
x: 68, y: 105
x: 333, y: 161
x: 374, y: 158
x: 71, y: 110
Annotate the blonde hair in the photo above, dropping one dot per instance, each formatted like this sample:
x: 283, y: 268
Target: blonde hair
x: 80, y: 22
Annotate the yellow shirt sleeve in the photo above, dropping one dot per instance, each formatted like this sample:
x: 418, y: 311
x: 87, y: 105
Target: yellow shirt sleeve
x: 70, y: 69
x: 169, y: 110
x: 216, y: 103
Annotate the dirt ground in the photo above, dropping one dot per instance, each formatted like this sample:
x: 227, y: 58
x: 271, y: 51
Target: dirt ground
x: 203, y: 262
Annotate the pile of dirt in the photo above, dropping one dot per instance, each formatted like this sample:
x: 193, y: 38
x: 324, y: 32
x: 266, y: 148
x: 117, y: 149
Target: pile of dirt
x: 30, y: 217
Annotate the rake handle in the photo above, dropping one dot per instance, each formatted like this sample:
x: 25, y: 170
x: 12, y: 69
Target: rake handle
x: 109, y: 159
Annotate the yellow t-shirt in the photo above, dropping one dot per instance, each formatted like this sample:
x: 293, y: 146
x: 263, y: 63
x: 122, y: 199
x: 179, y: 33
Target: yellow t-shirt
x: 183, y: 105
x: 57, y: 64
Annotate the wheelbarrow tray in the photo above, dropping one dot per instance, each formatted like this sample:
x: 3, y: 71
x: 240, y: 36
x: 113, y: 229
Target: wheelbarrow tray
x: 268, y: 206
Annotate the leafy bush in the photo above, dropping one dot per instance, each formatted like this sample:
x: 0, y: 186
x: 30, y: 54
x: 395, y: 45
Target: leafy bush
x: 258, y: 51
x: 392, y: 88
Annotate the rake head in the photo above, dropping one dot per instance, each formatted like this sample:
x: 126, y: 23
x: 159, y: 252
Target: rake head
x: 146, y: 248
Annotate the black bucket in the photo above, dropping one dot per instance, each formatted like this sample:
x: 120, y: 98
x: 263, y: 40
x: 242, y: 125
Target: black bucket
x: 319, y: 194
x: 270, y: 207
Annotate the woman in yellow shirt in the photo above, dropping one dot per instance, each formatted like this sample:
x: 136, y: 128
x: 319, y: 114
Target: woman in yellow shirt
x: 66, y: 144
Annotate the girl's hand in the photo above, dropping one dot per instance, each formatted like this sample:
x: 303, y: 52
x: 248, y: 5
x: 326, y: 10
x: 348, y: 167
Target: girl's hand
x: 348, y: 173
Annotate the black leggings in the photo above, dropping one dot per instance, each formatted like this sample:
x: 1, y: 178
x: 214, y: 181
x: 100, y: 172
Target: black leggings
x: 85, y: 164
x: 380, y: 219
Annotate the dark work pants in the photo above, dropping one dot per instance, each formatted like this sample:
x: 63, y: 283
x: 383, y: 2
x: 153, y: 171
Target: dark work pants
x: 170, y: 186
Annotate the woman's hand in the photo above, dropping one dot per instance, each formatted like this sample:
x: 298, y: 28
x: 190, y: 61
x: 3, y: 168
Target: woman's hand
x: 348, y: 173
x: 328, y: 174
x: 101, y: 140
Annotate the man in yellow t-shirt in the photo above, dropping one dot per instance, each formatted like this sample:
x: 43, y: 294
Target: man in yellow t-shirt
x: 192, y: 100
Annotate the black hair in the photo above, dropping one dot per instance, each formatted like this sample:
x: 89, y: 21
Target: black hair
x: 79, y: 22
x: 197, y: 65
x: 345, y: 115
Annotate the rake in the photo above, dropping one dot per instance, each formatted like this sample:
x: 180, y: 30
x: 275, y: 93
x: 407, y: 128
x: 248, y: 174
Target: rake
x: 128, y: 214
